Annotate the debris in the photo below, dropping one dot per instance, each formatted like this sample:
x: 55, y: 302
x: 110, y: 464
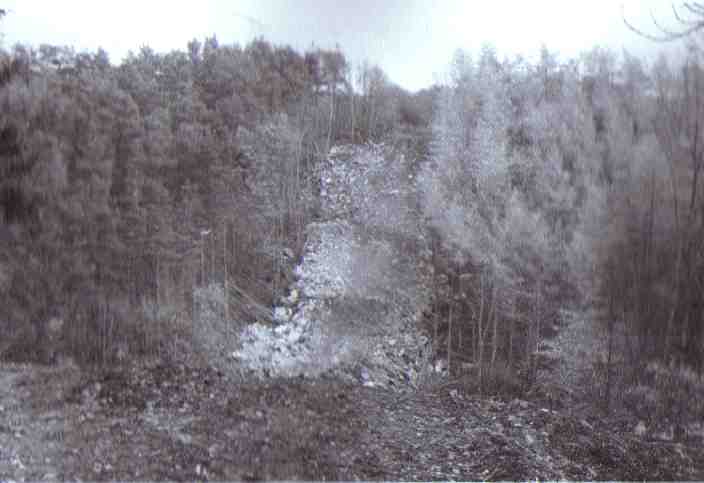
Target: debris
x: 282, y: 314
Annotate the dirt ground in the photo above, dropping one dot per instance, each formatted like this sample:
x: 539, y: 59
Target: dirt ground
x: 186, y: 421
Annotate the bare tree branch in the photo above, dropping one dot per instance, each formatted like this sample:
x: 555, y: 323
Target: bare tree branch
x: 695, y: 8
x: 691, y: 26
x: 677, y: 14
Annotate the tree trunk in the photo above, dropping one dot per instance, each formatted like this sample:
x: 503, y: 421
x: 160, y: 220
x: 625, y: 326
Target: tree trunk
x: 479, y: 351
x: 607, y: 395
x: 202, y: 260
x: 511, y: 328
x: 332, y: 115
x: 226, y: 281
x: 435, y: 297
x: 156, y: 283
x: 495, y: 335
x: 192, y: 296
x: 534, y: 338
x: 449, y: 341
x: 352, y: 118
x: 213, y: 252
x: 474, y: 337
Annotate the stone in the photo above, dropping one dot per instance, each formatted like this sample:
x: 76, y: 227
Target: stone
x: 282, y: 314
x: 364, y: 374
x: 55, y: 324
x: 292, y: 298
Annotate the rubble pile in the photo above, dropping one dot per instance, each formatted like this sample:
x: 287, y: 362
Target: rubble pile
x: 354, y: 307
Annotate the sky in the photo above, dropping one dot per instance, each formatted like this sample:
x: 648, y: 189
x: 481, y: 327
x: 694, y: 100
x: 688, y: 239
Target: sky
x: 413, y: 41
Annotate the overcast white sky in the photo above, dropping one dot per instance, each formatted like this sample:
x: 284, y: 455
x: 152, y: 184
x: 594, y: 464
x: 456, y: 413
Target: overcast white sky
x: 412, y: 40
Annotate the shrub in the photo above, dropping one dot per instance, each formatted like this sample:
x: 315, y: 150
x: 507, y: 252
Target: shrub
x: 499, y: 379
x: 96, y: 332
x: 642, y: 400
x: 679, y: 390
x: 495, y: 380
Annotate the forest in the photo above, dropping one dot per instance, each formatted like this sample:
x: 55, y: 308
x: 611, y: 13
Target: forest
x: 541, y: 222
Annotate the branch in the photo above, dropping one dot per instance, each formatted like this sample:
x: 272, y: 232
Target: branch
x: 695, y: 8
x: 637, y: 30
x: 677, y: 15
x: 668, y: 35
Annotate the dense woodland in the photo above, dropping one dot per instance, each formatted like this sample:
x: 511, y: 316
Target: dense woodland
x: 541, y: 186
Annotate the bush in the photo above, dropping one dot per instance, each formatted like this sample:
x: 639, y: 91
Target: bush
x: 106, y: 333
x: 496, y: 380
x: 97, y: 332
x: 643, y: 401
x: 213, y: 332
x: 671, y: 397
x: 500, y: 380
x: 680, y: 392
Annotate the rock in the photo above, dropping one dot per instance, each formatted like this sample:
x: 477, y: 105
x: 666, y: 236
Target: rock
x: 292, y: 298
x: 298, y: 271
x: 282, y: 314
x: 364, y: 375
x: 55, y: 324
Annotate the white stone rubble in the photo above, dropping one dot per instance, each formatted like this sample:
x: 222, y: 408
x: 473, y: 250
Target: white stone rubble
x: 345, y: 284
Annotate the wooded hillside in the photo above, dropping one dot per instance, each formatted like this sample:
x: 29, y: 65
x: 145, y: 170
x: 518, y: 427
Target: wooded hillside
x: 535, y: 189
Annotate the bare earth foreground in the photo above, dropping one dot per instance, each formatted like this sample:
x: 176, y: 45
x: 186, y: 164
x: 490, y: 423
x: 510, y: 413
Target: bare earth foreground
x: 186, y: 421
